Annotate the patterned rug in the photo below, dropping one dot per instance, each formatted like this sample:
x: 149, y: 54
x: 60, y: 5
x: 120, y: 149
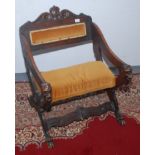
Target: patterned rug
x: 28, y: 127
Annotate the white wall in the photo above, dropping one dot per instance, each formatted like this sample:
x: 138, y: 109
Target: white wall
x: 118, y: 20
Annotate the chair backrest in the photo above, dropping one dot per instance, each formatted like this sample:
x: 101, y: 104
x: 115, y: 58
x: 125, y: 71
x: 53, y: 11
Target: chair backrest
x: 57, y: 29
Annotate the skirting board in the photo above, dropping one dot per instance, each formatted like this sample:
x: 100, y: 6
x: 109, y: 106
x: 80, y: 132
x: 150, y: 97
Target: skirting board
x: 22, y: 77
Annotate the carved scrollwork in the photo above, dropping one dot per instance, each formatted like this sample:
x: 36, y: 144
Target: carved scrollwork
x: 47, y: 97
x: 67, y: 14
x: 127, y: 70
x: 55, y: 14
x: 45, y: 87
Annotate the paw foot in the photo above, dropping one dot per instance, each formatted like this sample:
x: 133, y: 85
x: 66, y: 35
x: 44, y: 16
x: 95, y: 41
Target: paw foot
x: 120, y: 119
x: 121, y: 122
x: 50, y: 144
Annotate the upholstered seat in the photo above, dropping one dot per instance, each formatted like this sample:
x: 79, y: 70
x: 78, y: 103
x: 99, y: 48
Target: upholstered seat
x: 79, y: 79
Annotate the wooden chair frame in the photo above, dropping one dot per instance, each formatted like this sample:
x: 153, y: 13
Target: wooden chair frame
x: 41, y: 99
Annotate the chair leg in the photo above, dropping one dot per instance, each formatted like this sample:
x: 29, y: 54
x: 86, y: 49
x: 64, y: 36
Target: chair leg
x: 43, y: 122
x: 113, y: 99
x: 45, y: 130
x: 31, y: 101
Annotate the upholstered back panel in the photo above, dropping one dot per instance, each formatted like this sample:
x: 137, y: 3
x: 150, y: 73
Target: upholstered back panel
x: 56, y: 30
x: 57, y: 33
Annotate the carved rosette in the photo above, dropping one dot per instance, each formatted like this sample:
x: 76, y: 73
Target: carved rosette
x: 55, y: 14
x: 46, y: 88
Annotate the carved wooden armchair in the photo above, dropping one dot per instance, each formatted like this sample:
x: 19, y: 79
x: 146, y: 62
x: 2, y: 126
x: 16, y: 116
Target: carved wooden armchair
x: 62, y: 29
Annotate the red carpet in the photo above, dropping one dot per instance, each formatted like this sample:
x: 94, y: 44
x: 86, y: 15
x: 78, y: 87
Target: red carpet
x: 101, y: 138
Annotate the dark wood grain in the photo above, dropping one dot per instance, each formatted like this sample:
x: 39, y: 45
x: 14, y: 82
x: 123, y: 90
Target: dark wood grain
x: 79, y: 114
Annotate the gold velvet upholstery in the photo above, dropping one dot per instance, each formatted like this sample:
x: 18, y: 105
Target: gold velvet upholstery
x: 79, y: 79
x: 57, y: 33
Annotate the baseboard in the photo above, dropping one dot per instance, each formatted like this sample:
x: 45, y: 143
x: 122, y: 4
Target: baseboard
x: 22, y: 77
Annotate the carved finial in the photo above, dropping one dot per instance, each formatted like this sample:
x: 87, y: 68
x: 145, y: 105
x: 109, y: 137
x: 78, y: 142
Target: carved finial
x: 55, y: 13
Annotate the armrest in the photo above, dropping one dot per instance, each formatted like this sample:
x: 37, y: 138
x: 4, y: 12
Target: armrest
x: 103, y: 51
x: 31, y: 67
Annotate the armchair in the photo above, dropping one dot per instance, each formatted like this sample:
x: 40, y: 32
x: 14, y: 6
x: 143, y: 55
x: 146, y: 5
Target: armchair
x: 56, y: 30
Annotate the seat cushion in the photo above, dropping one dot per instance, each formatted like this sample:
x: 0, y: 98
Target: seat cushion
x: 79, y: 79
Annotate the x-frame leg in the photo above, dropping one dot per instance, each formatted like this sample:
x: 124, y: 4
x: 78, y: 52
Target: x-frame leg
x: 113, y: 99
